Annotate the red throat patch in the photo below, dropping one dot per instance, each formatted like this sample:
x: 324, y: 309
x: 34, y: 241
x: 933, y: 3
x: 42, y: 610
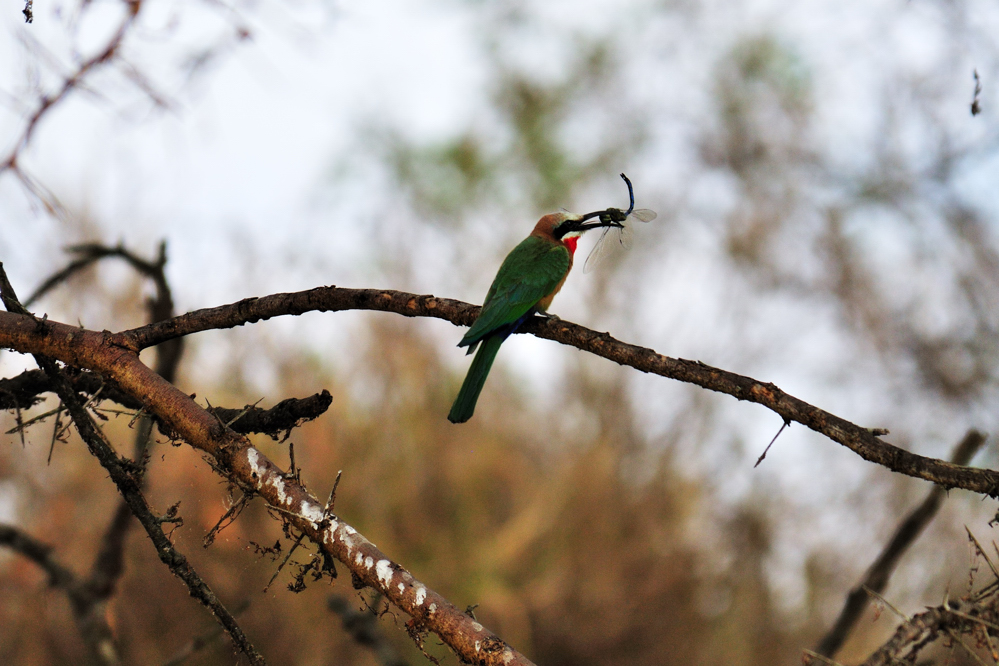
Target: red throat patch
x: 571, y: 243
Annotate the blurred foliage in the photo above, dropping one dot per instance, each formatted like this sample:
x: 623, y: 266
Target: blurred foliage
x: 527, y: 150
x: 580, y: 534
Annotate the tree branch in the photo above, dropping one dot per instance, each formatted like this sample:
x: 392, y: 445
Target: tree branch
x: 325, y: 299
x: 880, y: 571
x: 26, y: 389
x: 116, y: 357
x: 38, y: 552
x: 922, y: 629
x: 127, y: 477
x: 70, y: 83
x: 83, y: 598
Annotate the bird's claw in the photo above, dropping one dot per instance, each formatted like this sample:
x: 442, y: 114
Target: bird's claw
x: 549, y: 316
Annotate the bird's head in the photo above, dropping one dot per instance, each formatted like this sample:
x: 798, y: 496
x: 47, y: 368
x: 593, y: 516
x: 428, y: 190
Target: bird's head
x: 563, y: 226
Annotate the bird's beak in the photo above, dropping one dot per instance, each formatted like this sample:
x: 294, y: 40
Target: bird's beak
x: 583, y: 223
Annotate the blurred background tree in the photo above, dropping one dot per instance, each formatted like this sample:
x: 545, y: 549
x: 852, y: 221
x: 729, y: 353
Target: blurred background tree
x: 827, y: 213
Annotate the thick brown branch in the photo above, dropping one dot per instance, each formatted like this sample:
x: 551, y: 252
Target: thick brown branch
x: 880, y: 571
x: 127, y: 477
x: 116, y: 357
x: 857, y: 439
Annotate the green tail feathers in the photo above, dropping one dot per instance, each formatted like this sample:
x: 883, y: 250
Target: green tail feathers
x: 464, y: 404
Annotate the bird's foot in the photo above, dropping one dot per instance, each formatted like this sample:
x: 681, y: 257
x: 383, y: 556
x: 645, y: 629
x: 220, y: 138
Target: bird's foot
x: 548, y: 315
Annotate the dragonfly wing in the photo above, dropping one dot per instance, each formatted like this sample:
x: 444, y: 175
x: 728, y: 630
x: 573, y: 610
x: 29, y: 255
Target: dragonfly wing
x: 600, y: 251
x: 625, y: 236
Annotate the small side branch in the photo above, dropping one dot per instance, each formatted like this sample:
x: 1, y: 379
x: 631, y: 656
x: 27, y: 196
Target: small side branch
x: 70, y: 83
x: 83, y: 598
x: 877, y: 576
x: 911, y: 637
x: 26, y: 389
x: 38, y: 552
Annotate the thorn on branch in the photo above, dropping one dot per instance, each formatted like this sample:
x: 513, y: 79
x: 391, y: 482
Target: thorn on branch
x: 763, y: 455
x: 228, y: 518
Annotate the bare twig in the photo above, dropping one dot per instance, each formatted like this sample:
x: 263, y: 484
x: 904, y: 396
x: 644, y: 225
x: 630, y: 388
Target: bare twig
x: 83, y: 598
x: 128, y: 483
x: 957, y: 639
x: 24, y: 390
x: 888, y: 604
x: 70, y: 83
x: 38, y: 552
x: 362, y: 625
x: 981, y: 551
x: 881, y: 569
x: 764, y: 454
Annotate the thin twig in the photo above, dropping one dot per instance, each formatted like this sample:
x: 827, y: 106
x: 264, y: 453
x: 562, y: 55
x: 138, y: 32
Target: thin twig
x: 879, y: 573
x: 981, y: 551
x: 764, y: 454
x: 886, y: 603
x: 967, y: 649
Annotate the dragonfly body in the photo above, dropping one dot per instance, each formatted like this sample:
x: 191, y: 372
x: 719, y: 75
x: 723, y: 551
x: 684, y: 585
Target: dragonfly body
x: 615, y: 220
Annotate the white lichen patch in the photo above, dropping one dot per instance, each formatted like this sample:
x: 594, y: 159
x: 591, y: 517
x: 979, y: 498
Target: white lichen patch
x: 507, y: 656
x: 264, y: 478
x: 384, y: 572
x: 478, y: 645
x: 312, y: 512
x: 421, y: 595
x: 329, y: 534
x: 432, y: 609
x: 369, y: 562
x: 277, y: 483
x: 358, y: 559
x: 476, y: 626
x: 402, y: 588
x: 350, y: 538
x: 253, y: 457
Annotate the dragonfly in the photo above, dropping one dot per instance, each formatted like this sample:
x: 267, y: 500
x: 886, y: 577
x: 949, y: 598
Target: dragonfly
x: 620, y: 232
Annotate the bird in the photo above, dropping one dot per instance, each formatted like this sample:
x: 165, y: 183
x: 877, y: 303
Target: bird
x: 525, y: 285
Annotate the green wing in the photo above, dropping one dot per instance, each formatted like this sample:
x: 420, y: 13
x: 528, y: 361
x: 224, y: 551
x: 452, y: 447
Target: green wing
x: 530, y: 272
